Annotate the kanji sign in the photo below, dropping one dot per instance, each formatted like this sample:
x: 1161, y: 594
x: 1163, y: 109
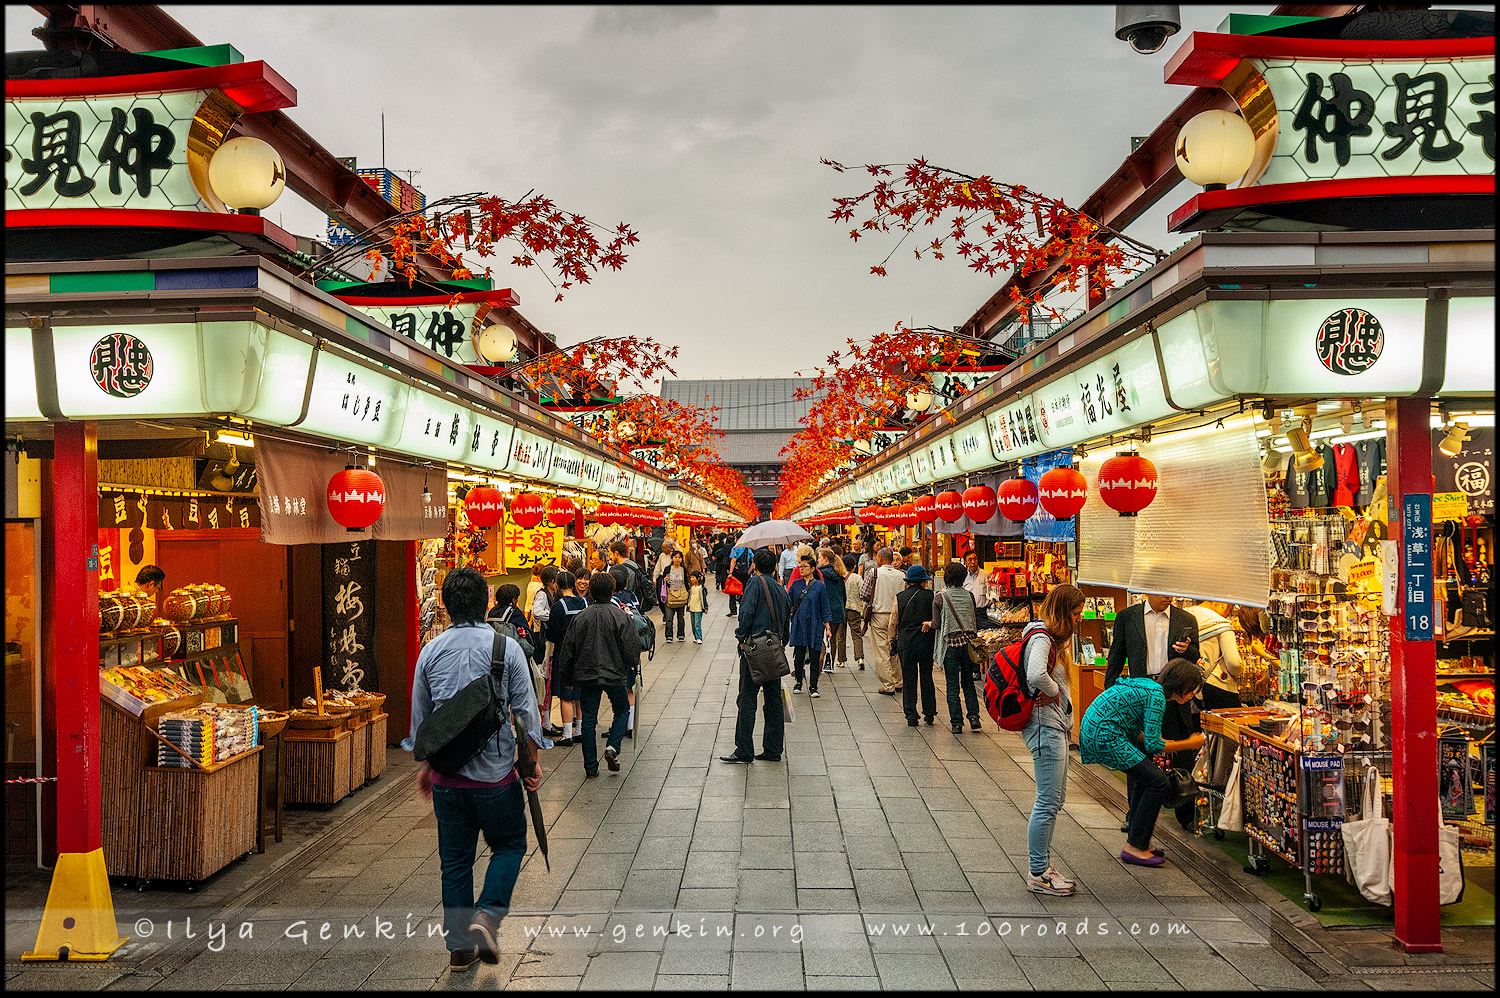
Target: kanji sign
x: 121, y: 365
x: 349, y: 613
x: 521, y: 548
x: 1416, y: 565
x: 1349, y: 341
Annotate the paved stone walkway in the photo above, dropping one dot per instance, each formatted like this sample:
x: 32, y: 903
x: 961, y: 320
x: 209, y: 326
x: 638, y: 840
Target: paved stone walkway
x: 875, y: 856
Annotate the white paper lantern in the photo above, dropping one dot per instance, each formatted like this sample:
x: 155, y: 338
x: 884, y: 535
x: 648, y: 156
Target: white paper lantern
x: 1215, y: 148
x: 496, y: 343
x: 247, y: 173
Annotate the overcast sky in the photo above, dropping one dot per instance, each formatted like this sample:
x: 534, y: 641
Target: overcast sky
x: 702, y: 127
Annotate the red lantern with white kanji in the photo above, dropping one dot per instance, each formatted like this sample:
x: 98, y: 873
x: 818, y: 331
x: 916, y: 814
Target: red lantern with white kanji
x: 867, y: 514
x: 604, y: 514
x: 560, y: 511
x: 1063, y: 491
x: 979, y: 503
x: 926, y: 509
x: 527, y: 510
x: 1127, y: 483
x: 1017, y: 499
x: 356, y: 498
x: 484, y: 506
x: 949, y: 506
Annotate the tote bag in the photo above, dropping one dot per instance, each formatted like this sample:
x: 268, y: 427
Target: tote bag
x: 1367, y: 845
x: 1232, y: 813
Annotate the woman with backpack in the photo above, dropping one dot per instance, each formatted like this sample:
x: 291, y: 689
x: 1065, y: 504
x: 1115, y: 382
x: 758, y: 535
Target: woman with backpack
x: 953, y: 616
x: 912, y: 612
x: 1047, y: 654
x: 568, y: 606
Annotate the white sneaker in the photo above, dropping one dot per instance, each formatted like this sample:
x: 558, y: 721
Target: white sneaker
x: 1049, y: 883
x: 697, y: 641
x: 1058, y: 878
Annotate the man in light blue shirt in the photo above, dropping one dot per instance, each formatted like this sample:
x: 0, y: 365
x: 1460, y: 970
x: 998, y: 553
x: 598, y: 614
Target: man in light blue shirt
x: 788, y: 563
x: 485, y: 794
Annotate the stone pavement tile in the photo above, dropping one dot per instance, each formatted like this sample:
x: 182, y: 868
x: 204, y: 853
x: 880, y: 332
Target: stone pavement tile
x: 336, y: 973
x: 711, y: 869
x: 843, y: 983
x: 905, y: 809
x: 586, y: 901
x: 863, y: 820
x: 1060, y: 974
x: 965, y: 825
x: 816, y: 836
x: 760, y: 931
x: 671, y: 821
x: 839, y: 961
x: 826, y: 899
x: 814, y: 809
x: 63, y: 978
x: 281, y: 967
x: 691, y: 982
x: 640, y: 787
x: 680, y: 797
x: 721, y: 808
x: 946, y: 799
x: 1430, y: 982
x: 810, y: 786
x: 629, y: 810
x: 766, y: 852
x: 767, y: 820
x: 912, y: 971
x: 936, y: 869
x: 767, y: 889
x: 705, y: 951
x: 872, y: 852
x: 621, y: 971
x: 377, y: 983
x: 696, y: 899
x: 806, y: 764
x: 574, y: 824
x: 767, y: 797
x: 1218, y: 931
x: 717, y: 836
x: 980, y: 856
x: 667, y: 852
x: 1005, y: 893
x: 853, y: 796
x: 604, y: 871
x: 950, y: 901
x: 1263, y: 966
x: 884, y: 890
x: 618, y: 836
x: 752, y: 970
x: 895, y: 786
x: 650, y: 890
x: 822, y: 869
x: 1198, y: 968
x: 912, y: 836
x: 533, y: 983
x: 843, y: 758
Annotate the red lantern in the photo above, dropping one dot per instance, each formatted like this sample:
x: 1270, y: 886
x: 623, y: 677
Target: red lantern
x: 1017, y: 499
x: 1127, y: 483
x: 484, y: 506
x: 356, y: 498
x: 1063, y: 492
x: 560, y: 511
x: 926, y: 509
x: 604, y: 514
x: 949, y: 506
x: 979, y: 503
x: 526, y: 510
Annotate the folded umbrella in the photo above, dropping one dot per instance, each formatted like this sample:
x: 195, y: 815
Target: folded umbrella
x: 526, y: 766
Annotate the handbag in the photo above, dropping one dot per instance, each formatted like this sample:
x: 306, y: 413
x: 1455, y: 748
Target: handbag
x: 1183, y: 789
x: 1232, y: 811
x: 733, y: 586
x: 764, y: 652
x: 1367, y: 845
x: 1450, y: 865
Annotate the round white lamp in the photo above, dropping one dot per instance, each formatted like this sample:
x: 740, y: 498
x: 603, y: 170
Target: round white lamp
x: 247, y: 174
x: 919, y: 400
x: 495, y: 343
x: 625, y: 430
x: 1215, y: 148
x: 863, y: 447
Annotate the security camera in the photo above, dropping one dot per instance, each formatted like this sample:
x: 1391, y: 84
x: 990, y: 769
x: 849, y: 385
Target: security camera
x: 1146, y: 26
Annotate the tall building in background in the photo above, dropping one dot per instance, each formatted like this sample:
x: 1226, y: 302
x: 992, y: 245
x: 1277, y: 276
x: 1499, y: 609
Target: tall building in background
x: 757, y: 415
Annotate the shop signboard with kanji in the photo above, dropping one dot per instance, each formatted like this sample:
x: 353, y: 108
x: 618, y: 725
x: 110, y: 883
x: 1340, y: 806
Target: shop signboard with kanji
x: 530, y: 455
x: 349, y: 616
x: 521, y: 548
x: 1416, y: 565
x: 970, y: 446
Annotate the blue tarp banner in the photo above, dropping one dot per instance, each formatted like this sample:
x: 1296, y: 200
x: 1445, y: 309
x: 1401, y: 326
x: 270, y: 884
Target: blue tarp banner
x: 1043, y: 526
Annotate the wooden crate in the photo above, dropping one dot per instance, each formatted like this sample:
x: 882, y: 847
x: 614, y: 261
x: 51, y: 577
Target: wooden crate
x: 359, y: 756
x: 378, y: 727
x: 317, y: 769
x: 196, y: 822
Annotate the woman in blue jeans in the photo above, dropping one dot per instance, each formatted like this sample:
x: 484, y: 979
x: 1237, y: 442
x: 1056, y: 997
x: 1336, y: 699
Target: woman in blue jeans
x: 1047, y: 654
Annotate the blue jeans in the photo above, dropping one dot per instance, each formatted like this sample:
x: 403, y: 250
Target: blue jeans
x: 698, y: 625
x: 1049, y: 759
x: 589, y: 701
x: 498, y: 812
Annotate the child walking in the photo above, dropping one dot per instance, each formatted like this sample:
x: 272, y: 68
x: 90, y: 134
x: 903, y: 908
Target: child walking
x: 697, y: 603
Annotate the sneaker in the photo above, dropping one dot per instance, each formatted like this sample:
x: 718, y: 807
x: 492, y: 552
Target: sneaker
x: 815, y: 694
x: 861, y: 667
x: 697, y: 641
x: 1049, y: 883
x: 828, y: 670
x: 485, y: 928
x: 669, y: 640
x: 1058, y: 878
x: 460, y: 961
x: 612, y: 758
x: 797, y: 688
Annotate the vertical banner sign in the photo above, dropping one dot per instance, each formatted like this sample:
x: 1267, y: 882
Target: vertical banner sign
x: 349, y: 616
x: 1416, y: 566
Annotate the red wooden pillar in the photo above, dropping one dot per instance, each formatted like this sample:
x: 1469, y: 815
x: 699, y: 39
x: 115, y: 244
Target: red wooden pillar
x: 413, y: 624
x: 1413, y: 695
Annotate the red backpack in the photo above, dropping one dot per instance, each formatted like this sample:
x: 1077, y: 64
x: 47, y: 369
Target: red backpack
x: 1007, y: 695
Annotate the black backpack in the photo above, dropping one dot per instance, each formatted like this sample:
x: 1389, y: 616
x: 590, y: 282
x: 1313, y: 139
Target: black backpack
x: 521, y: 635
x: 645, y: 592
x: 457, y: 730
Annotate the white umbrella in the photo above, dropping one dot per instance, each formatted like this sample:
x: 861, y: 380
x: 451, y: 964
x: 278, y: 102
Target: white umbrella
x: 772, y: 532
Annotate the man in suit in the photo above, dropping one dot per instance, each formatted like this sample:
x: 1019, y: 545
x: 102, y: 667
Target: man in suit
x: 1147, y: 636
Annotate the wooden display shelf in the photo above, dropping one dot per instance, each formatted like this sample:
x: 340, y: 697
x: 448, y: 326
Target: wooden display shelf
x: 317, y: 768
x: 195, y: 822
x: 359, y: 755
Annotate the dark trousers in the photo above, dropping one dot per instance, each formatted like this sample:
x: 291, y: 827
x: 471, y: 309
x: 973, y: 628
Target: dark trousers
x: 619, y: 702
x: 1148, y: 789
x: 813, y: 658
x: 960, y: 673
x: 720, y: 577
x: 680, y: 613
x: 744, y: 725
x: 1178, y: 721
x: 916, y: 666
x: 734, y: 604
x: 1217, y: 699
x: 462, y: 814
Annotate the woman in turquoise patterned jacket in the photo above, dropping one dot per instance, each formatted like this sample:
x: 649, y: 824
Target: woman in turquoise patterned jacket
x: 1122, y: 721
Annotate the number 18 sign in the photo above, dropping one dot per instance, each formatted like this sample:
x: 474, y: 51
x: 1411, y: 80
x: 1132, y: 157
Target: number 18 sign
x: 1416, y: 565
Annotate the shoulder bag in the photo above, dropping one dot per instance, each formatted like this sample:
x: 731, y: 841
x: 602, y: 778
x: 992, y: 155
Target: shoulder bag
x: 457, y: 730
x: 974, y: 648
x: 764, y: 652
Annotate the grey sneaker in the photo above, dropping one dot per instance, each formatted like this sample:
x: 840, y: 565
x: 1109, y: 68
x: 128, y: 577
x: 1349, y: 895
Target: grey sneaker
x: 1049, y: 883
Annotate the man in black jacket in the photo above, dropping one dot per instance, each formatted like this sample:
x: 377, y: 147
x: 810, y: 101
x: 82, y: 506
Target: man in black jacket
x: 600, y: 654
x: 1147, y: 636
x: 757, y: 615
